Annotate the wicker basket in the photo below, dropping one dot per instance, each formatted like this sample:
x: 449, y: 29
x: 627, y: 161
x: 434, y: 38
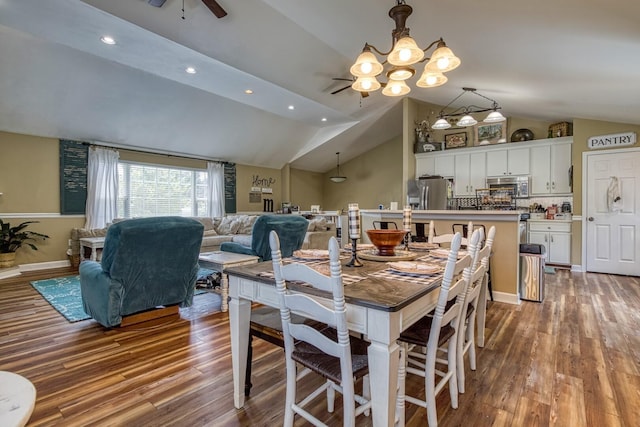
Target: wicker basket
x: 7, y: 260
x: 74, y: 260
x: 560, y: 129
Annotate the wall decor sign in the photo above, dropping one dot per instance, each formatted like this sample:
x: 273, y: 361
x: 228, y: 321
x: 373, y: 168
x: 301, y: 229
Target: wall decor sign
x: 613, y: 140
x: 455, y: 140
x: 493, y: 133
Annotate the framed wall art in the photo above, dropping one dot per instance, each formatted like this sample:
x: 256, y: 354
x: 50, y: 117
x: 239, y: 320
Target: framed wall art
x: 455, y: 140
x: 490, y: 133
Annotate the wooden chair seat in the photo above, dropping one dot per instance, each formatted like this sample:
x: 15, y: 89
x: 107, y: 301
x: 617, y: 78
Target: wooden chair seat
x: 329, y: 366
x: 266, y: 324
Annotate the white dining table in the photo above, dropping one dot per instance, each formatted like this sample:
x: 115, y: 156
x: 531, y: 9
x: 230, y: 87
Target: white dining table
x: 378, y: 307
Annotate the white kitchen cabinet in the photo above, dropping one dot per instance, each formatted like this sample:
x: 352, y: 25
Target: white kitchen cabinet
x: 550, y: 166
x: 425, y: 165
x: 508, y: 161
x: 435, y: 164
x: 555, y: 236
x: 445, y: 165
x: 470, y: 173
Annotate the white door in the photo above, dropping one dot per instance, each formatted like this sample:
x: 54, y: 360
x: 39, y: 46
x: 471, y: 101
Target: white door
x: 612, y: 237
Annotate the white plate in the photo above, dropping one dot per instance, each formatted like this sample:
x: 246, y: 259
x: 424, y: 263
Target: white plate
x: 423, y: 246
x: 444, y: 253
x: 415, y: 268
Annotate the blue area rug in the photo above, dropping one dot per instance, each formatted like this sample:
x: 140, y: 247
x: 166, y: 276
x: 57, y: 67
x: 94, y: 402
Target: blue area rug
x: 63, y: 293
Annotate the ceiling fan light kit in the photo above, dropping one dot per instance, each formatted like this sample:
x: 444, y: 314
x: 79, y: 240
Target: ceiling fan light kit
x: 337, y: 178
x: 403, y: 54
x: 466, y: 120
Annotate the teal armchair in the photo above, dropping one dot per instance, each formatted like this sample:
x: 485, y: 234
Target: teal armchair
x: 146, y: 263
x: 291, y: 230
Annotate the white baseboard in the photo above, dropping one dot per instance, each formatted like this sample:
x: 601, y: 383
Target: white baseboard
x: 577, y: 268
x: 505, y: 297
x: 44, y: 265
x: 5, y: 273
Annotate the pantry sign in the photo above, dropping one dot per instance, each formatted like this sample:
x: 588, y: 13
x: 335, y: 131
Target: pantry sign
x: 614, y: 140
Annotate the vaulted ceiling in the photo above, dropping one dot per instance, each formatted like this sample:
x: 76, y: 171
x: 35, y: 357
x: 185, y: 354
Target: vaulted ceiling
x: 544, y: 60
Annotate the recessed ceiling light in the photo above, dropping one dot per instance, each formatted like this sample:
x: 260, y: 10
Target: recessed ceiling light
x: 291, y: 107
x: 107, y: 40
x: 248, y: 91
x: 190, y: 70
x: 324, y: 119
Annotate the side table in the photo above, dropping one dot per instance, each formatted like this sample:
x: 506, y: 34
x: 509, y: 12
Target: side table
x: 218, y: 261
x: 94, y: 243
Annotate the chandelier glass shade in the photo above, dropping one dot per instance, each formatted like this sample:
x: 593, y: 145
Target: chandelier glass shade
x: 467, y: 120
x: 404, y: 53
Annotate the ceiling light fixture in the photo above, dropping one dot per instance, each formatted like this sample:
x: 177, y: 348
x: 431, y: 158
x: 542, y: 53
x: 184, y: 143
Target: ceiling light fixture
x: 467, y: 120
x: 248, y: 91
x: 404, y: 53
x: 107, y: 40
x: 190, y: 70
x: 337, y: 177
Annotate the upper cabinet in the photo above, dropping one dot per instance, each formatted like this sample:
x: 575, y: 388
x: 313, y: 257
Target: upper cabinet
x: 551, y: 169
x: 470, y: 173
x: 435, y: 164
x: 508, y: 161
x: 547, y: 161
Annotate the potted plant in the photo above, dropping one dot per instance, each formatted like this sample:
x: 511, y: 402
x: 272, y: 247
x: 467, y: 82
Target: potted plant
x: 12, y: 239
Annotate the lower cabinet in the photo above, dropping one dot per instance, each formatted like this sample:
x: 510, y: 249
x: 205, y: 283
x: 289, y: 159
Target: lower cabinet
x: 555, y: 236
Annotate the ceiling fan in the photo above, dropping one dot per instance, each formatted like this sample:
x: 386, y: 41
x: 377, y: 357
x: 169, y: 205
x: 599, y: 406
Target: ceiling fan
x: 340, y: 79
x: 213, y: 6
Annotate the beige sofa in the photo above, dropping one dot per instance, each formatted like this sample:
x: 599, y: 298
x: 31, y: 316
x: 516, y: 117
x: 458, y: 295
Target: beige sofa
x: 231, y: 228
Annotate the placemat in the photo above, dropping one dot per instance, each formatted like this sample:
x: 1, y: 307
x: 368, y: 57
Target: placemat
x: 405, y: 277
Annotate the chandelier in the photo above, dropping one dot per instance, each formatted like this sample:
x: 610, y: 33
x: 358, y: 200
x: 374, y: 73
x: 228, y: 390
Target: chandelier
x: 403, y: 54
x: 466, y: 120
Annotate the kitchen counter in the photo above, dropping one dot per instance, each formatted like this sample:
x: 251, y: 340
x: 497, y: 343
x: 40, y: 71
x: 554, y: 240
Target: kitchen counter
x: 505, y: 252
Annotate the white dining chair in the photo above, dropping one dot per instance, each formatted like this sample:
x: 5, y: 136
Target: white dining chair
x: 482, y: 305
x: 330, y: 352
x: 436, y: 334
x: 447, y: 237
x: 466, y: 334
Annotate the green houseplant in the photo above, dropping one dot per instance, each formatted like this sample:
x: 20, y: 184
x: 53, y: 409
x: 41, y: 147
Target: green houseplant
x: 12, y: 239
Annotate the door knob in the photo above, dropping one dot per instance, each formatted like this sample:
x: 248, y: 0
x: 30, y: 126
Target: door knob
x: 590, y: 218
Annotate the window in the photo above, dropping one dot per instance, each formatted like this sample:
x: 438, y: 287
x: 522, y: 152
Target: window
x: 151, y: 190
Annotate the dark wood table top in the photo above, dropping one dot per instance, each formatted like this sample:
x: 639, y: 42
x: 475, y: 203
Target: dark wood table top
x: 381, y: 293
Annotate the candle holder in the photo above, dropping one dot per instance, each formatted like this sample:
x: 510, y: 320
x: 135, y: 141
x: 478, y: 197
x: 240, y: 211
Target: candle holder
x: 407, y: 238
x: 354, y: 261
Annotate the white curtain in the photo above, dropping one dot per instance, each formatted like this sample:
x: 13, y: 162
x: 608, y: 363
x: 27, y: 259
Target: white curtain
x: 102, y: 187
x: 215, y: 171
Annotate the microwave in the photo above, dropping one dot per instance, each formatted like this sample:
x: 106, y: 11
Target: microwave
x: 519, y: 184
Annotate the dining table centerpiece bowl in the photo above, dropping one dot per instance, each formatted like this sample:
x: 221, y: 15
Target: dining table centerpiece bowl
x: 386, y: 240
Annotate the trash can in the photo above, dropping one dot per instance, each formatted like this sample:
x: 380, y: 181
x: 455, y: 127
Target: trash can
x: 532, y: 272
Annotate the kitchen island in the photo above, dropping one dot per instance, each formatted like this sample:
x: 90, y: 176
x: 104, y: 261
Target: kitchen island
x: 504, y: 266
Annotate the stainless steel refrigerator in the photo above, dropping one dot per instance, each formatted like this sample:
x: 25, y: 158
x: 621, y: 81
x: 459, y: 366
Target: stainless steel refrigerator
x: 429, y: 193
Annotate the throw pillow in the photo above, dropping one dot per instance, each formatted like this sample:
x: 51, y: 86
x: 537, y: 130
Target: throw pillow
x: 228, y: 225
x: 318, y: 224
x: 246, y: 224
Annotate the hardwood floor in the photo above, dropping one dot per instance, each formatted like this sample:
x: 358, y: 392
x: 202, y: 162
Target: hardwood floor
x: 571, y: 361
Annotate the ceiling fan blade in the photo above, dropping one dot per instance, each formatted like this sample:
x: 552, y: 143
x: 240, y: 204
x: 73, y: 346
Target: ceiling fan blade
x: 215, y: 8
x: 340, y: 90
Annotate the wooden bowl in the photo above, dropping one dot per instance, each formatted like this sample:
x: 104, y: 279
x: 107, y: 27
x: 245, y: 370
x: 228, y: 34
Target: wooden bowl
x: 386, y: 240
